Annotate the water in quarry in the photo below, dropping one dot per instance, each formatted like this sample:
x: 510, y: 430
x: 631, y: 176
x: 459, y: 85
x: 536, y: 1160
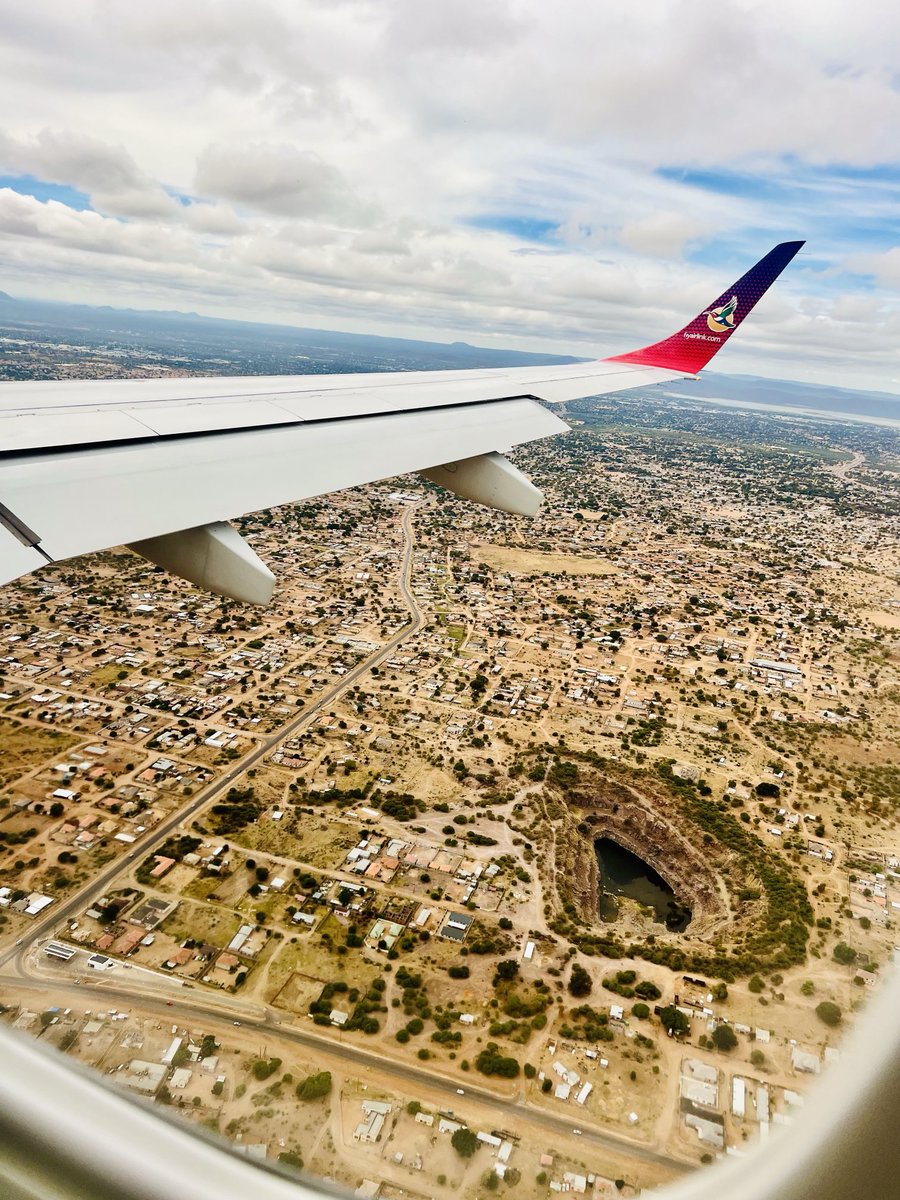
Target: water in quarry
x: 625, y: 874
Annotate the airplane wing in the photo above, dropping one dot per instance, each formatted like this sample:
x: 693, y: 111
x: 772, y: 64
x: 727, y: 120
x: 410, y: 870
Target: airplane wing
x: 161, y: 465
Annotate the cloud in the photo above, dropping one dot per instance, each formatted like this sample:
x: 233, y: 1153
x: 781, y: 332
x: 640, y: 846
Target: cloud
x: 664, y: 234
x: 542, y: 177
x: 884, y: 267
x: 274, y: 179
x: 108, y: 174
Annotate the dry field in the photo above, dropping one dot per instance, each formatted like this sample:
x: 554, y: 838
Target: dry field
x: 535, y: 562
x: 26, y: 747
x: 201, y: 922
x: 316, y: 842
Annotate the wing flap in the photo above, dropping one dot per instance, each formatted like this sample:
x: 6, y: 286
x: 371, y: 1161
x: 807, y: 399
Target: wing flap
x: 17, y: 559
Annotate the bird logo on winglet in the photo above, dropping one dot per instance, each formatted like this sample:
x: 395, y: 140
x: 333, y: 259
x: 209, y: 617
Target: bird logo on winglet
x: 721, y: 320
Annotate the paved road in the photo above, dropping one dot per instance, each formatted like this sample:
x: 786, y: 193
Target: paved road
x: 187, y: 1009
x: 101, y: 881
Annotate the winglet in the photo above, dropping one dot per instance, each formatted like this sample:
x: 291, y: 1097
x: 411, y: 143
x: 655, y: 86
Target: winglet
x: 691, y: 348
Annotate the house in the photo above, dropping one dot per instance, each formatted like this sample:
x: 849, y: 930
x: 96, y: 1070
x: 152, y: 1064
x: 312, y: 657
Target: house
x: 801, y: 1060
x: 162, y: 865
x: 456, y: 926
x: 369, y: 1130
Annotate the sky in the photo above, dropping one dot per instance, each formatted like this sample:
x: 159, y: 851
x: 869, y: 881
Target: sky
x: 576, y: 178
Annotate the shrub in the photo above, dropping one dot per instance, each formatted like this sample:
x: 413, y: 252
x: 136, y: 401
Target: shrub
x: 647, y: 990
x: 489, y: 1062
x: 843, y: 953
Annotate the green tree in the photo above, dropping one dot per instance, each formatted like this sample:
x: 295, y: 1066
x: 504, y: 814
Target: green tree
x: 674, y: 1020
x: 208, y: 1046
x: 506, y: 971
x: 580, y: 982
x: 756, y: 985
x: 314, y: 1087
x: 464, y: 1142
x: 263, y: 1068
x: 489, y: 1062
x: 724, y: 1038
x: 829, y: 1013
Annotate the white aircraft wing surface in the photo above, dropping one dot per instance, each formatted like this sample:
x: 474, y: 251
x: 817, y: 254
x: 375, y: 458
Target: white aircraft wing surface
x: 161, y: 465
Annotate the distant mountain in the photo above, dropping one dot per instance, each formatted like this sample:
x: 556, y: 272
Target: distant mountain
x: 218, y: 346
x: 788, y: 394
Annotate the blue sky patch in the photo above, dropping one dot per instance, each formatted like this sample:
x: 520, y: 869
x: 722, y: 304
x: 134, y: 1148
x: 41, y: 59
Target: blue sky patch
x: 840, y: 210
x: 528, y: 229
x: 182, y: 198
x: 40, y: 189
x: 725, y: 183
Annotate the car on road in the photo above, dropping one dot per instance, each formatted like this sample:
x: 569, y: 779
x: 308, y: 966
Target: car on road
x: 460, y: 1091
x: 235, y: 1022
x: 578, y: 1131
x: 170, y: 1003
